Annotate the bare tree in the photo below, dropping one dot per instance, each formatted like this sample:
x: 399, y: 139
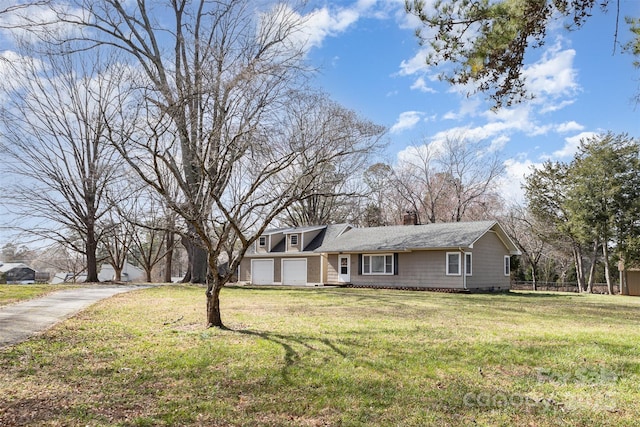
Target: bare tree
x: 152, y: 231
x: 335, y: 194
x: 218, y: 102
x: 117, y: 236
x: 53, y: 137
x: 58, y: 258
x: 274, y: 167
x: 527, y: 233
x: 11, y: 252
x: 380, y: 209
x: 449, y: 181
x: 210, y: 68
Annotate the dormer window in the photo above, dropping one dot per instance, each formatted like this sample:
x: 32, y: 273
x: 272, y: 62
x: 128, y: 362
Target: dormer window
x: 262, y: 241
x: 293, y: 240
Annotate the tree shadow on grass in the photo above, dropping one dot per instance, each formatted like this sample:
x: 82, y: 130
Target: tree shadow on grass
x: 288, y: 344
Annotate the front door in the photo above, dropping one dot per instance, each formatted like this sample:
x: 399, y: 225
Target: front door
x: 344, y: 268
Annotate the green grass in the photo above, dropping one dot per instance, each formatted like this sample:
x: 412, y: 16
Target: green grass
x: 15, y: 293
x: 330, y: 356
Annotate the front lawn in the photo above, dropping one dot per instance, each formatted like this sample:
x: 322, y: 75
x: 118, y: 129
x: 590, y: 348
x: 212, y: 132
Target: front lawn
x: 331, y: 357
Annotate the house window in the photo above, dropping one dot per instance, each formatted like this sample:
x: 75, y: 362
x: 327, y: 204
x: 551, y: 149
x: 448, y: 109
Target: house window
x: 507, y: 265
x: 377, y: 264
x: 467, y: 264
x: 293, y: 240
x: 453, y: 263
x: 262, y: 241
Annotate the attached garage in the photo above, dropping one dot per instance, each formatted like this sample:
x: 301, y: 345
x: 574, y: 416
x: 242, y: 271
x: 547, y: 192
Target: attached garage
x: 262, y: 271
x: 294, y: 272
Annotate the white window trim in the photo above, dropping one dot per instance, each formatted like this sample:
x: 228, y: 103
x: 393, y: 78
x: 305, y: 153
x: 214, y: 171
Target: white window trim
x: 260, y: 244
x: 506, y: 266
x: 291, y: 237
x: 470, y: 271
x: 393, y: 261
x: 459, y: 264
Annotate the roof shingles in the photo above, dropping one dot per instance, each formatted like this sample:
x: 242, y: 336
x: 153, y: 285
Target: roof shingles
x: 408, y: 237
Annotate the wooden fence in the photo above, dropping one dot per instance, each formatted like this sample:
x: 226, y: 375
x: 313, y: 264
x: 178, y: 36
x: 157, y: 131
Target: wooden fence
x: 598, y: 288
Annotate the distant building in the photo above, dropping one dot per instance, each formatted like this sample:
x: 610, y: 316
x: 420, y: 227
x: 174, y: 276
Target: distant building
x: 59, y: 278
x: 130, y: 273
x: 17, y: 273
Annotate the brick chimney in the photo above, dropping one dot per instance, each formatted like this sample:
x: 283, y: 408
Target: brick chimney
x: 410, y: 218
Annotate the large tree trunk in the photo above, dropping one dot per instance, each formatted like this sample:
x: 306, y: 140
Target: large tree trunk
x: 535, y: 260
x: 214, y: 285
x: 117, y: 274
x: 214, y: 319
x: 92, y: 261
x: 168, y: 258
x: 197, y: 268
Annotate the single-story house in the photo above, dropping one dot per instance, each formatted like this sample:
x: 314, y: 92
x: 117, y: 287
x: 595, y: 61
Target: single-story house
x: 457, y: 256
x: 17, y: 273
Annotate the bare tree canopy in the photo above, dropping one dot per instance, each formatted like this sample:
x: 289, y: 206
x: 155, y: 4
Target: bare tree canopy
x: 450, y: 181
x: 221, y: 124
x: 335, y: 194
x: 208, y: 74
x: 54, y: 133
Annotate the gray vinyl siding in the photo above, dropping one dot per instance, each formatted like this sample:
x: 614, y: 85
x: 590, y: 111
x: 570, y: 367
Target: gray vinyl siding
x: 332, y: 268
x: 244, y: 271
x: 488, y: 264
x: 419, y: 269
x: 427, y: 269
x: 314, y: 269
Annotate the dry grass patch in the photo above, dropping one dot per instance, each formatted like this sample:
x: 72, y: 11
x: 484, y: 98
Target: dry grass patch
x: 317, y: 357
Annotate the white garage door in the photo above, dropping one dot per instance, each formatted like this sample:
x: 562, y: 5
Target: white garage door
x: 262, y: 271
x: 294, y: 272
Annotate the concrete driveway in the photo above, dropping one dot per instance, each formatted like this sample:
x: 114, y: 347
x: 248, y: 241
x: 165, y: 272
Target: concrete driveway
x: 20, y: 321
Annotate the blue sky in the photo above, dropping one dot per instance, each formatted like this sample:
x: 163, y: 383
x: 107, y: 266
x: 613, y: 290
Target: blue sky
x: 370, y: 61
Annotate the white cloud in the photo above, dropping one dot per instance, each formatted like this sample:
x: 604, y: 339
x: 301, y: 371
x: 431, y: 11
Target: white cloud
x: 552, y: 79
x: 23, y: 22
x: 406, y: 120
x: 421, y: 85
x: 417, y: 64
x: 468, y: 108
x: 322, y: 23
x: 550, y: 108
x: 412, y: 153
x: 510, y: 185
x: 450, y: 115
x: 553, y: 75
x: 498, y: 143
x: 571, y: 145
x: 331, y: 20
x: 571, y: 126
